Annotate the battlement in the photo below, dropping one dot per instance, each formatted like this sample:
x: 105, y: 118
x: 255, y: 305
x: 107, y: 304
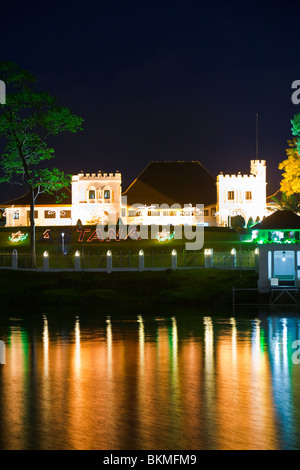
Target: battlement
x: 235, y: 177
x: 257, y: 170
x: 97, y: 176
x: 258, y: 162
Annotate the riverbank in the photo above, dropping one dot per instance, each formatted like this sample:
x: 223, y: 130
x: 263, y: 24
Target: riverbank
x: 202, y: 287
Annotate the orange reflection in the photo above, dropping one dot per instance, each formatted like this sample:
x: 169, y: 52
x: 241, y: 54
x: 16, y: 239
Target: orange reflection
x: 245, y: 413
x: 144, y: 384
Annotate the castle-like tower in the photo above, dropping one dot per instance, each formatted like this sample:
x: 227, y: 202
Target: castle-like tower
x: 243, y: 195
x: 96, y: 198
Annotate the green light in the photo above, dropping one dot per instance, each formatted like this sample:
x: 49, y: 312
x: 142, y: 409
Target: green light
x: 18, y: 237
x: 164, y: 236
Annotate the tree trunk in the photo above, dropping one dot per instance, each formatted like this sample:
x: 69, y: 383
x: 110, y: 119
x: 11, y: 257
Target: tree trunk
x: 32, y: 229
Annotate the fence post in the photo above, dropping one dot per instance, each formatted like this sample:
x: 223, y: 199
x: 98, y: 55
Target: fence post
x: 141, y: 260
x: 256, y: 259
x: 46, y: 260
x: 2, y: 352
x: 14, y: 259
x: 77, y: 261
x: 109, y: 261
x: 233, y: 258
x: 174, y: 259
x: 208, y: 258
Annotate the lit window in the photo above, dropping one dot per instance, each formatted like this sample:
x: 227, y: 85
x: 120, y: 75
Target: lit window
x: 248, y: 195
x: 92, y: 194
x: 230, y: 195
x: 16, y: 215
x: 107, y: 194
x: 49, y: 214
x: 65, y: 214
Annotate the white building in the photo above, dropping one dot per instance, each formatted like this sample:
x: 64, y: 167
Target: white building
x: 172, y: 193
x: 243, y: 195
x: 164, y: 193
x: 94, y: 198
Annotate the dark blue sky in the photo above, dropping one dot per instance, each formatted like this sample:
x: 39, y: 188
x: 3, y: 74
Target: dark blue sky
x: 167, y: 80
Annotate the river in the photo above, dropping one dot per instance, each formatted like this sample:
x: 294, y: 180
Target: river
x: 124, y: 381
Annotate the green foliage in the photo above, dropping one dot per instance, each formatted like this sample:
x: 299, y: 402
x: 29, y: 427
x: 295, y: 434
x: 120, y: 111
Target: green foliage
x: 296, y: 130
x: 238, y: 221
x: 290, y: 183
x: 250, y: 222
x: 27, y: 119
x: 291, y: 203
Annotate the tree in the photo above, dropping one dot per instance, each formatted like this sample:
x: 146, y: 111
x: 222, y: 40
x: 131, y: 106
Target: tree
x: 296, y: 130
x: 290, y: 183
x: 291, y: 203
x: 238, y: 221
x: 250, y: 222
x: 27, y: 120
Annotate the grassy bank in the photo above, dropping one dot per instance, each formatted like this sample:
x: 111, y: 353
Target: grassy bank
x: 182, y: 287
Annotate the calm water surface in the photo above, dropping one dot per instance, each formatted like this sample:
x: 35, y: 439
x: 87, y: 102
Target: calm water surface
x: 187, y: 381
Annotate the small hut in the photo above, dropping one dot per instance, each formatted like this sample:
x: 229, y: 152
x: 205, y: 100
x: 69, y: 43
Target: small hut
x: 278, y: 240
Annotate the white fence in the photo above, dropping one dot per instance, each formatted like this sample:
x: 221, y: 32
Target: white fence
x: 133, y: 261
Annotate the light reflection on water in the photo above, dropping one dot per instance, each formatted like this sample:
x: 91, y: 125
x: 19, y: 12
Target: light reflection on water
x: 140, y: 382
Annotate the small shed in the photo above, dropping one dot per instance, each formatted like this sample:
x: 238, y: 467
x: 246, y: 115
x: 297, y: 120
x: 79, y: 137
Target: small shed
x: 278, y: 240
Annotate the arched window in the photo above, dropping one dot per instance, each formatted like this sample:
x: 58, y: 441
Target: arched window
x: 107, y: 193
x: 91, y: 193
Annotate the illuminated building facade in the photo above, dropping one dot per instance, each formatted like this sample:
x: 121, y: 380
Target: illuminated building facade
x: 243, y: 195
x: 94, y: 198
x: 172, y: 193
x: 47, y: 211
x: 165, y: 193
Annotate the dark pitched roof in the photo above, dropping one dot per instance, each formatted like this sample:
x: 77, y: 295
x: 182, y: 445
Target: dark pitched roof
x: 284, y: 219
x: 173, y: 182
x: 43, y: 199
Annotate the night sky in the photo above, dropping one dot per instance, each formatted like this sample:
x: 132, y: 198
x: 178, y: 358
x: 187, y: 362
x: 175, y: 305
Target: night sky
x: 168, y: 80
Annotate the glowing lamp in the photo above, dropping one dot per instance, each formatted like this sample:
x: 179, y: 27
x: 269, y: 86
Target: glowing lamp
x: 46, y: 254
x: 256, y: 251
x: 141, y: 252
x: 108, y: 253
x: 77, y: 254
x: 233, y: 251
x: 207, y: 251
x: 283, y: 256
x: 174, y: 252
